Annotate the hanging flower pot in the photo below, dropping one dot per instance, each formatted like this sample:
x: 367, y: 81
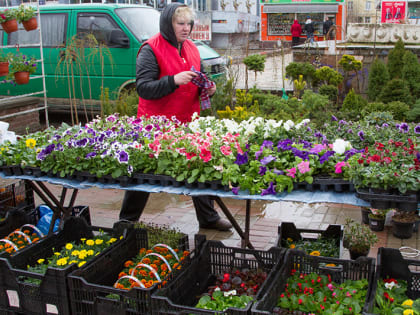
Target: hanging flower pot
x: 21, y: 77
x: 30, y: 24
x: 10, y: 26
x: 4, y: 68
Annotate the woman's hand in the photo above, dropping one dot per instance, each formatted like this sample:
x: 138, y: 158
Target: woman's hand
x: 184, y: 77
x: 212, y: 90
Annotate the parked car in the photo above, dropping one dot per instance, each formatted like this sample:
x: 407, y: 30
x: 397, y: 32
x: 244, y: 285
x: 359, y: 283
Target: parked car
x: 89, y: 46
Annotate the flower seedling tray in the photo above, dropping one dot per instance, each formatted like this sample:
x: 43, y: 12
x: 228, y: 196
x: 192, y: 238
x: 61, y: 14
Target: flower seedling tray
x: 333, y: 184
x: 363, y: 268
x: 180, y: 296
x: 391, y: 264
x: 91, y: 288
x: 386, y: 201
x: 51, y: 295
x: 289, y: 230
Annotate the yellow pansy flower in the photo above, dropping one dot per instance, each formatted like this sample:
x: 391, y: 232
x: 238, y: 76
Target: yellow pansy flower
x: 75, y: 253
x: 90, y: 242
x: 408, y: 303
x: 408, y: 312
x: 62, y: 262
x: 315, y: 253
x: 30, y: 143
x: 83, y: 239
x: 99, y: 241
x: 82, y: 256
x: 69, y: 246
x: 57, y: 254
x: 73, y: 262
x: 81, y: 263
x: 40, y: 261
x: 112, y: 240
x: 90, y: 252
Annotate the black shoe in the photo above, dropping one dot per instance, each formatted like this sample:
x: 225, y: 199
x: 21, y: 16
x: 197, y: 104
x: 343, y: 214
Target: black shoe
x: 221, y: 225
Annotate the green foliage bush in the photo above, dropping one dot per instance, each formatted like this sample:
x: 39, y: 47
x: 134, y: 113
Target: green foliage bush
x: 395, y: 60
x: 414, y: 113
x: 353, y: 104
x: 395, y: 90
x: 307, y: 70
x: 396, y: 108
x: 328, y: 76
x: 379, y: 118
x: 330, y: 91
x: 255, y: 63
x: 411, y: 73
x: 378, y: 76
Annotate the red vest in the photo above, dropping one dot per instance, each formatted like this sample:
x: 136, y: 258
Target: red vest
x: 184, y: 101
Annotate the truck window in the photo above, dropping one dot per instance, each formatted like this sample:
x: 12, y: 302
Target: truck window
x: 99, y: 25
x: 53, y: 28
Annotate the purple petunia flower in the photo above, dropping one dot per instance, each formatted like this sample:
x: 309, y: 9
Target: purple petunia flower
x: 351, y: 152
x: 241, y: 158
x: 258, y: 153
x: 342, y: 122
x: 82, y: 142
x: 270, y: 190
x: 267, y: 144
x: 267, y: 160
x: 304, y: 155
x: 122, y: 156
x: 90, y: 154
x: 148, y: 127
x: 350, y: 131
x: 333, y: 118
x: 326, y: 156
x: 317, y: 148
x: 361, y: 135
x: 404, y: 127
x: 284, y: 145
x: 235, y: 190
x: 318, y: 135
x: 385, y: 125
x: 417, y: 129
x: 262, y: 170
x: 278, y: 172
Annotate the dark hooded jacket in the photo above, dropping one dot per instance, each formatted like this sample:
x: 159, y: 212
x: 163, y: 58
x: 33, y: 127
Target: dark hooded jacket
x: 147, y: 69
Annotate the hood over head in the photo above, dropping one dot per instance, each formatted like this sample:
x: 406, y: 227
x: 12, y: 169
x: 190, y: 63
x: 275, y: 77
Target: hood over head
x: 165, y: 23
x: 295, y: 22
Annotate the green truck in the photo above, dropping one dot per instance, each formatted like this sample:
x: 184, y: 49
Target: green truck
x: 89, y: 46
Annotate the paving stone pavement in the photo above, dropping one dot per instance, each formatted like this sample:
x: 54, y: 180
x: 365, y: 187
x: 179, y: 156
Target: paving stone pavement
x: 177, y: 211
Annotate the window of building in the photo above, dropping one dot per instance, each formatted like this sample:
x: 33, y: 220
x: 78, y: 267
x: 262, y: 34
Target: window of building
x: 368, y: 5
x: 350, y: 5
x: 367, y: 19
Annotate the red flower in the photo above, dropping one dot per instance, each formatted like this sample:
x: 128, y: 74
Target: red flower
x: 374, y: 158
x: 300, y: 301
x: 387, y: 160
x: 226, y: 277
x: 398, y: 143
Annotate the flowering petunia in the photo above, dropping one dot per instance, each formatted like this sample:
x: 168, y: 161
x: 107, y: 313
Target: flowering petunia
x: 270, y: 190
x: 226, y: 150
x: 291, y: 172
x: 205, y: 155
x: 303, y: 167
x: 262, y: 170
x: 241, y: 158
x: 267, y: 160
x: 122, y: 156
x: 361, y: 135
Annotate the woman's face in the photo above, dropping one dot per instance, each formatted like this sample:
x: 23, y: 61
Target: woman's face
x: 182, y: 28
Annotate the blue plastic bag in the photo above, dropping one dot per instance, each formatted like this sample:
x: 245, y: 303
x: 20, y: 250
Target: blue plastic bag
x: 44, y: 222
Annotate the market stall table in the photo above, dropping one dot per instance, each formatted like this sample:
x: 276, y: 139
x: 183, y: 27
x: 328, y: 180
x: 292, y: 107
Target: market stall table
x: 37, y: 183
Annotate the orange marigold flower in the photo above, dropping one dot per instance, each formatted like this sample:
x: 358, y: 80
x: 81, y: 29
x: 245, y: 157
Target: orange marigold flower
x: 185, y: 253
x: 149, y: 251
x: 128, y: 263
x: 169, y: 256
x: 164, y: 282
x: 120, y: 286
x: 164, y: 267
x: 154, y: 266
x: 36, y: 239
x: 142, y: 250
x: 176, y: 265
x: 121, y: 274
x: 143, y: 272
x: 146, y: 260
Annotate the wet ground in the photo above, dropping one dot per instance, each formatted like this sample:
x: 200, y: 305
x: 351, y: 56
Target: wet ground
x: 177, y: 211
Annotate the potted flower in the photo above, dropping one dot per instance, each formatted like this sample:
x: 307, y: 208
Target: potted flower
x: 26, y: 15
x: 22, y: 66
x: 4, y: 63
x: 358, y: 238
x: 8, y: 20
x: 403, y: 223
x: 377, y: 219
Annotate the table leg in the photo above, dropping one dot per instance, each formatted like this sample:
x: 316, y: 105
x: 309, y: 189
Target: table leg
x: 244, y: 235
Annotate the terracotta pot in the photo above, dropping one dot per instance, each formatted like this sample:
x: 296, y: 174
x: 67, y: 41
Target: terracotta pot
x: 30, y: 24
x: 4, y: 68
x: 10, y: 26
x: 21, y: 77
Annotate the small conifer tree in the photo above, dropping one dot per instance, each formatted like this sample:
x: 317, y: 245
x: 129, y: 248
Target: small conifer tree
x: 378, y: 76
x: 411, y: 73
x: 396, y: 90
x: 395, y: 60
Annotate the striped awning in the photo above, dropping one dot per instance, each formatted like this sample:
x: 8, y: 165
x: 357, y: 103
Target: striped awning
x: 300, y: 8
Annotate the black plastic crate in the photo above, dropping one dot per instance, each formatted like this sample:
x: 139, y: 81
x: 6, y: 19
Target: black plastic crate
x: 51, y: 296
x: 90, y: 287
x: 16, y: 195
x: 390, y: 263
x: 362, y: 268
x: 289, y: 230
x: 180, y: 296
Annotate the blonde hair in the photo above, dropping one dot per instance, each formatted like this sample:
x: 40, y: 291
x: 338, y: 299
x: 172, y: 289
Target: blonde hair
x: 184, y: 12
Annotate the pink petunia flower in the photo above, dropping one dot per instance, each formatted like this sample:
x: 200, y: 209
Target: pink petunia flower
x: 291, y: 172
x: 303, y: 167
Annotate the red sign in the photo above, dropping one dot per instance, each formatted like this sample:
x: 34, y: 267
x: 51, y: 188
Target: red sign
x: 393, y: 11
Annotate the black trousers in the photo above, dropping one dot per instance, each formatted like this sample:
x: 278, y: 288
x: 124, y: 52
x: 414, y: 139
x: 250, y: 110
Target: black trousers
x: 295, y: 41
x: 134, y: 203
